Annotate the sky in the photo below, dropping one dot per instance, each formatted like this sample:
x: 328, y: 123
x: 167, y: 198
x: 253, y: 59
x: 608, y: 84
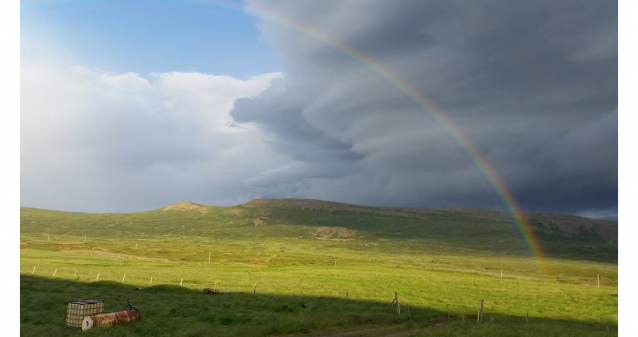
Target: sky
x: 130, y: 106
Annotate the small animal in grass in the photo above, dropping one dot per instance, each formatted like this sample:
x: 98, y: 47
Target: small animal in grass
x: 211, y: 291
x: 130, y: 305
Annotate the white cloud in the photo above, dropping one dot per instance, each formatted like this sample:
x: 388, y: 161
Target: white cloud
x: 99, y: 141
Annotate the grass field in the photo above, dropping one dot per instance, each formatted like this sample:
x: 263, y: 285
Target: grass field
x: 312, y: 253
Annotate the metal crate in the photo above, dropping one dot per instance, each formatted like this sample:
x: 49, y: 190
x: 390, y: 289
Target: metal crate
x: 77, y: 310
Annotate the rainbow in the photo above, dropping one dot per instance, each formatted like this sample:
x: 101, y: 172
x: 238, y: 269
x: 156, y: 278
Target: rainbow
x: 514, y: 209
x: 520, y: 220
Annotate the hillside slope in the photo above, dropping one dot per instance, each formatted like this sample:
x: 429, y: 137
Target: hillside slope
x: 458, y: 230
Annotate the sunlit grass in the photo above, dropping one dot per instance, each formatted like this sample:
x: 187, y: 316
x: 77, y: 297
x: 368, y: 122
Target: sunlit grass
x: 430, y: 265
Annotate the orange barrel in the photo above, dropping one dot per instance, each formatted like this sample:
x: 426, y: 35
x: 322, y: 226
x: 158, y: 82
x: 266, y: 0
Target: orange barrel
x: 110, y: 319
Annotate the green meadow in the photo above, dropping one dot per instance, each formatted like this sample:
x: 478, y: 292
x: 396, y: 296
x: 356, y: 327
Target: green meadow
x: 285, y: 267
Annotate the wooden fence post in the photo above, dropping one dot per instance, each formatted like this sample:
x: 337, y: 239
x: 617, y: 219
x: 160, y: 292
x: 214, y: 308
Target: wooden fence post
x: 98, y: 277
x: 123, y: 277
x: 255, y: 288
x: 396, y: 296
x: 181, y: 281
x: 33, y: 271
x: 55, y: 272
x: 75, y: 273
x: 347, y: 297
x: 527, y: 317
x: 462, y: 316
x: 151, y: 281
x: 481, y: 315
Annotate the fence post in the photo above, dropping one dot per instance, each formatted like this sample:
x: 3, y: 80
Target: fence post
x: 527, y: 317
x: 123, y: 277
x: 181, y: 281
x: 33, y: 271
x: 255, y: 288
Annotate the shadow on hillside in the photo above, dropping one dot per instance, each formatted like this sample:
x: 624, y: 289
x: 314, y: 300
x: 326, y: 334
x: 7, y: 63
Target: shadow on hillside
x: 177, y: 311
x: 452, y: 230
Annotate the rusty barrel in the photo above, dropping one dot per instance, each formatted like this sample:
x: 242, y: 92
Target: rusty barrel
x: 110, y: 319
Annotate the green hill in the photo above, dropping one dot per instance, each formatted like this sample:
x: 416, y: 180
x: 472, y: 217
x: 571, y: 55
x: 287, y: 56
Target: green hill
x: 459, y: 230
x: 449, y: 257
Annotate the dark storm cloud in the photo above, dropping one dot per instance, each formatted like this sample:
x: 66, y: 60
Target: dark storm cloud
x: 532, y: 84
